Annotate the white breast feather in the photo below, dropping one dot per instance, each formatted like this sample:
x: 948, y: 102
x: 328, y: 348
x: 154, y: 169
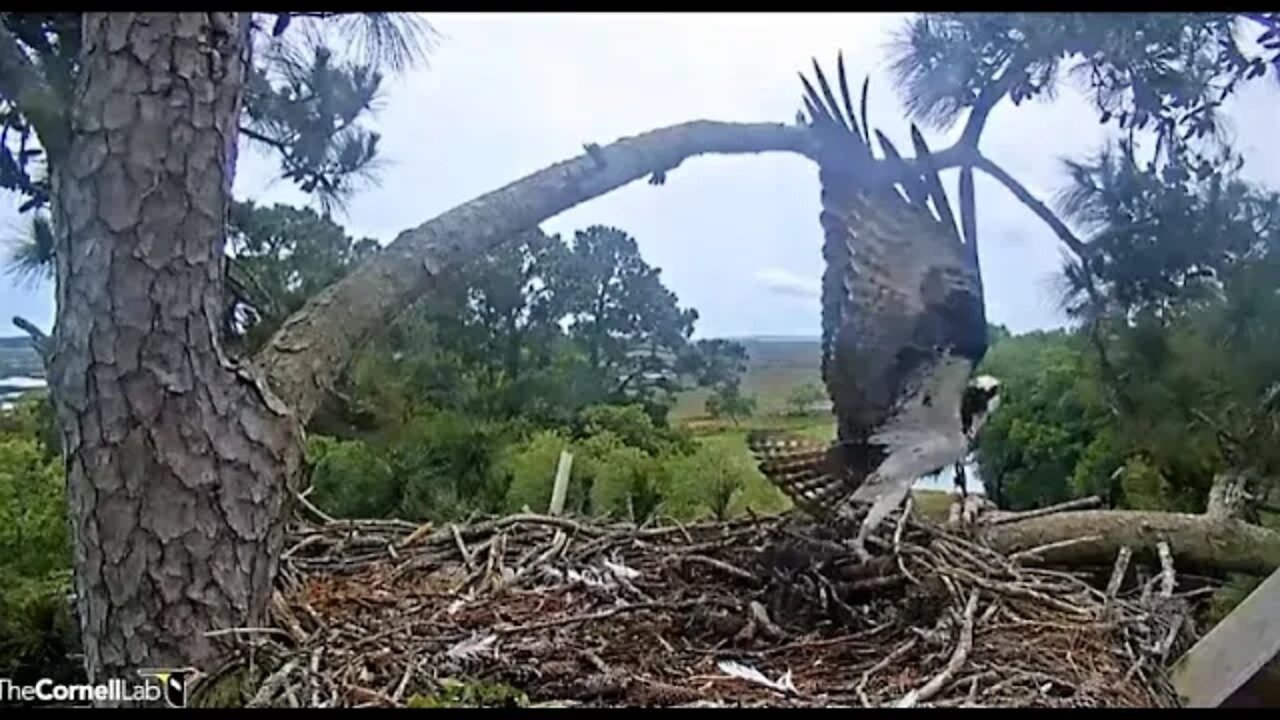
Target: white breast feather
x: 921, y: 439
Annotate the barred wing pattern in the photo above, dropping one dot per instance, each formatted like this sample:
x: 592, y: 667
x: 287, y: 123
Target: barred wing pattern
x: 802, y: 468
x: 902, y: 314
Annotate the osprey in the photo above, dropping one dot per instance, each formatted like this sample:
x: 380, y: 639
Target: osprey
x: 903, y: 325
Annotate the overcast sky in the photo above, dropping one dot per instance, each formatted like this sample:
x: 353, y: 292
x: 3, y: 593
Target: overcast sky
x: 738, y: 237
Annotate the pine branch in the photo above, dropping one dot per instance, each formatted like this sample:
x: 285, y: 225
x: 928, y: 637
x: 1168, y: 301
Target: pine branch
x: 264, y: 139
x: 22, y: 83
x: 40, y: 341
x: 312, y: 347
x: 988, y: 98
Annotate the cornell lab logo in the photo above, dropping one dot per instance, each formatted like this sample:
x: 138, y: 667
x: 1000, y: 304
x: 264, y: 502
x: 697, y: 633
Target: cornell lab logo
x: 173, y: 682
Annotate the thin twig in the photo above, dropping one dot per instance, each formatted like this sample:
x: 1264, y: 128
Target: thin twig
x: 272, y: 684
x: 1079, y: 504
x: 957, y: 661
x: 247, y: 631
x: 1036, y: 552
x: 310, y: 506
x: 416, y: 535
x: 1117, y: 578
x: 722, y: 566
x: 902, y: 524
x: 462, y: 546
x: 404, y: 679
x: 591, y: 617
x: 884, y: 663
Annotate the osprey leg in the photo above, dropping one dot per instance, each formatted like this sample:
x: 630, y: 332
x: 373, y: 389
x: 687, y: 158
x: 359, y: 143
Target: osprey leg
x: 890, y: 495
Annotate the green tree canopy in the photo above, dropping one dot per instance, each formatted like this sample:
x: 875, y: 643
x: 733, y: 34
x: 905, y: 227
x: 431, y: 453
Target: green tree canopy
x: 316, y: 79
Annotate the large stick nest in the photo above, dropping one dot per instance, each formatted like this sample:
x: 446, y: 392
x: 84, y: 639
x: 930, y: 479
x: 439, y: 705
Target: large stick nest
x: 762, y: 612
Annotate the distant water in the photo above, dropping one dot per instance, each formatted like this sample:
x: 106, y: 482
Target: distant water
x: 945, y: 480
x: 22, y: 383
x: 13, y: 386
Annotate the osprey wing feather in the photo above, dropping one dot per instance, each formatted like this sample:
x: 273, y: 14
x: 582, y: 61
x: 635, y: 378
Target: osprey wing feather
x: 902, y: 313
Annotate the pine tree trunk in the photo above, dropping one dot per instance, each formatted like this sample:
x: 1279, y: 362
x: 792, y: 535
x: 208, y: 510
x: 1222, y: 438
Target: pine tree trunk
x: 176, y: 459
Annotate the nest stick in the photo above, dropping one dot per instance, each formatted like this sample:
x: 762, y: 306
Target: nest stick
x: 902, y: 524
x: 462, y: 546
x: 1117, y: 577
x: 1078, y: 504
x: 1035, y: 552
x: 958, y: 659
x: 885, y: 662
x: 1167, y: 578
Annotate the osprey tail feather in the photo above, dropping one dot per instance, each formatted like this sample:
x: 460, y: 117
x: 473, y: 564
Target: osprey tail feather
x: 801, y: 468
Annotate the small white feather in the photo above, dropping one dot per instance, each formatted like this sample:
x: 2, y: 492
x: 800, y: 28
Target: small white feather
x: 622, y: 571
x: 743, y: 672
x: 471, y: 647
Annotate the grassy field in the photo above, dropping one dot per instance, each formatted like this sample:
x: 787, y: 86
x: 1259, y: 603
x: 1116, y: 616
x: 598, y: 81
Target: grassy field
x: 775, y: 367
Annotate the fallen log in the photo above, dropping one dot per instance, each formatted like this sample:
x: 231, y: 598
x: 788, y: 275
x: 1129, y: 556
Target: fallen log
x: 1200, y: 543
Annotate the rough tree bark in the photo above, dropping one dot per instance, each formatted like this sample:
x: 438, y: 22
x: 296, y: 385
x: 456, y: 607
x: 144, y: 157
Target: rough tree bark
x: 1229, y: 494
x: 175, y: 458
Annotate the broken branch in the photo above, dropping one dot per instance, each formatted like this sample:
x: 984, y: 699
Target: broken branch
x: 1199, y: 543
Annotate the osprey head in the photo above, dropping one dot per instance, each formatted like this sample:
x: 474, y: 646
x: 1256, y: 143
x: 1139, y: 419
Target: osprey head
x: 981, y: 398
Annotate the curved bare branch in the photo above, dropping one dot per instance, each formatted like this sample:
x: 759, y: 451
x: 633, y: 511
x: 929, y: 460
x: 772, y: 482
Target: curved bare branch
x: 1032, y: 203
x: 313, y: 346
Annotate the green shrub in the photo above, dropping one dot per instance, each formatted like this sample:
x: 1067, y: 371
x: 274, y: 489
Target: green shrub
x: 531, y: 467
x: 36, y: 631
x: 1229, y: 595
x: 449, y: 465
x: 1144, y: 487
x: 626, y: 483
x: 802, y: 398
x: 33, y: 524
x: 458, y: 693
x: 441, y: 466
x: 351, y: 479
x: 608, y: 477
x: 707, y: 482
x: 634, y: 428
x: 37, y: 628
x: 727, y: 401
x: 757, y: 494
x: 32, y: 418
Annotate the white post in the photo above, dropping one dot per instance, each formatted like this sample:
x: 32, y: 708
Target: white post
x: 1233, y: 651
x: 561, y: 488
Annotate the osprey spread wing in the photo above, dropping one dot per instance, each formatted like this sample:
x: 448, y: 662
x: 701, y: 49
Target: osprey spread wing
x: 903, y: 324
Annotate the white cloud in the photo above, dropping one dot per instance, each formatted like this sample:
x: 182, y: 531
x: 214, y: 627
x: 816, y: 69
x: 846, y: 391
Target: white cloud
x: 510, y: 93
x: 785, y: 282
